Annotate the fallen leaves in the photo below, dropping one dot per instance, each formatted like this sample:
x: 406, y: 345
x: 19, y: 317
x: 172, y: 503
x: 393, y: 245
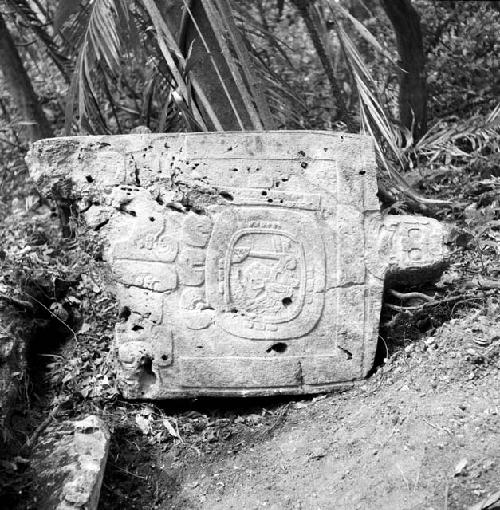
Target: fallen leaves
x: 174, y: 432
x: 144, y: 423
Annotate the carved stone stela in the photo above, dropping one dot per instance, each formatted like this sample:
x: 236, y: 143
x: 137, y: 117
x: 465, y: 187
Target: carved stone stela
x: 245, y: 263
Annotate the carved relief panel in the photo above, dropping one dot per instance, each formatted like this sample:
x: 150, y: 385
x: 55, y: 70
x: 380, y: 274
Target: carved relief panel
x: 245, y: 263
x: 266, y: 273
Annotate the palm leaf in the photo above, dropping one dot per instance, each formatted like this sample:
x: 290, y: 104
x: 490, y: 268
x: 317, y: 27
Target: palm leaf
x: 264, y: 119
x: 30, y: 17
x: 169, y: 48
x: 318, y: 32
x: 264, y: 48
x: 237, y: 60
x: 97, y: 31
x: 376, y: 122
x: 64, y: 11
x: 251, y: 100
x: 225, y: 50
x: 360, y: 29
x: 446, y: 139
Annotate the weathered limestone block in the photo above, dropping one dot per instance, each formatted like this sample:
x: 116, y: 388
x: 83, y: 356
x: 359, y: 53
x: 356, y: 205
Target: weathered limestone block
x: 69, y: 463
x: 245, y: 263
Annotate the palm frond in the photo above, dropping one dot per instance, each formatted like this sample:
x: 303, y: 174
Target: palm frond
x: 165, y: 115
x: 318, y: 32
x: 265, y: 49
x: 234, y: 73
x: 245, y: 98
x: 64, y: 11
x: 374, y: 113
x: 337, y: 8
x: 96, y: 27
x: 30, y: 17
x: 245, y: 63
x: 96, y: 31
x: 177, y: 66
x: 213, y: 18
x: 457, y: 140
x: 377, y: 124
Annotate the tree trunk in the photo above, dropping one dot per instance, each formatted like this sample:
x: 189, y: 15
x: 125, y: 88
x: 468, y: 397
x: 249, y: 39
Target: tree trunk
x: 202, y: 64
x: 413, y: 87
x: 18, y: 84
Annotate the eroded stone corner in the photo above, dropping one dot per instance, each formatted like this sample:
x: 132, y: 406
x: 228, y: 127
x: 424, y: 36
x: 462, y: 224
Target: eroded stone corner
x: 416, y: 249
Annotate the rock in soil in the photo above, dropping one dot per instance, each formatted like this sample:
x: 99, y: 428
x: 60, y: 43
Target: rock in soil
x: 69, y: 463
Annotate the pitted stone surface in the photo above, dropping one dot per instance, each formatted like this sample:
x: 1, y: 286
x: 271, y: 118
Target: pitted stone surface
x: 245, y: 263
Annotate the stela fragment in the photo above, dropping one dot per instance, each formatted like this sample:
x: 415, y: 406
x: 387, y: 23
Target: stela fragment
x: 248, y: 263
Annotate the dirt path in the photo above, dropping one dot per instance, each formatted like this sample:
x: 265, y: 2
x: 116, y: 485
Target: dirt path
x: 391, y: 447
x: 394, y: 442
x: 393, y: 451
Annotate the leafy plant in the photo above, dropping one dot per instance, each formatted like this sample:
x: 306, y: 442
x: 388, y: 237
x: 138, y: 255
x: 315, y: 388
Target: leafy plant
x: 461, y: 140
x: 97, y: 30
x: 103, y: 28
x: 137, y: 63
x: 31, y: 18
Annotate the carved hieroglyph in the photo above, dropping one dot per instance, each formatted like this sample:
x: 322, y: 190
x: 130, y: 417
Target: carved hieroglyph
x: 245, y: 263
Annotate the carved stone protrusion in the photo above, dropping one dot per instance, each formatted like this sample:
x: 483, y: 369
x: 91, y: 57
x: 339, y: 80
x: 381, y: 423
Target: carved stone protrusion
x: 248, y: 263
x: 416, y: 249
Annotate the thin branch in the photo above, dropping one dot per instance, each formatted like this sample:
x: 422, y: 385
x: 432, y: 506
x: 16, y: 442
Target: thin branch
x: 55, y: 317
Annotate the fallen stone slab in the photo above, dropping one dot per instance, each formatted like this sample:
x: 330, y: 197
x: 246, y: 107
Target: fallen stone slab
x: 68, y: 464
x: 244, y: 263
